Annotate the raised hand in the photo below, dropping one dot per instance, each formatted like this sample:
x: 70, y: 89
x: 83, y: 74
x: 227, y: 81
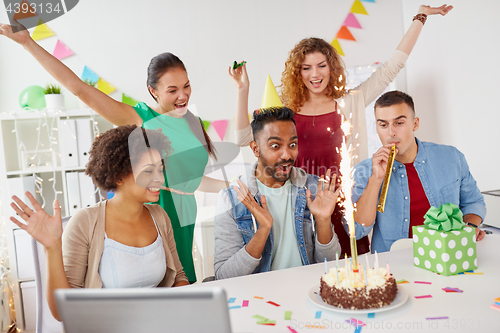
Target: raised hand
x: 240, y: 77
x: 20, y: 37
x: 326, y: 198
x: 428, y: 10
x: 41, y: 226
x: 261, y: 214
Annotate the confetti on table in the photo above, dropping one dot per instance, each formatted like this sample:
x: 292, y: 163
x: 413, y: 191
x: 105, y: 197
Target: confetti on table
x: 318, y: 315
x: 462, y: 273
x: 473, y: 273
x: 371, y: 315
x: 288, y: 315
x: 495, y: 306
x: 402, y: 281
x: 422, y: 282
x: 424, y: 296
x: 234, y: 307
x: 291, y: 329
x: 355, y: 322
x: 269, y: 323
x: 231, y: 300
x: 452, y: 290
x: 272, y: 303
x: 436, y: 318
x: 259, y: 318
x: 244, y: 304
x: 258, y: 297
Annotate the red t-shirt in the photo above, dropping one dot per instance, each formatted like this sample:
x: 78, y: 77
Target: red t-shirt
x: 419, y: 204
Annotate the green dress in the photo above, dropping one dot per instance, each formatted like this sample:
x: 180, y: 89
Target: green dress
x: 183, y: 172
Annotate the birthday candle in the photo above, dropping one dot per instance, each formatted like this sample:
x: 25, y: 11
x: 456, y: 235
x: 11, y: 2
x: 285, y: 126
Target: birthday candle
x: 326, y: 267
x: 388, y: 274
x: 376, y: 261
x: 367, y: 262
x: 346, y: 264
x: 366, y: 279
x: 337, y: 259
x: 338, y: 279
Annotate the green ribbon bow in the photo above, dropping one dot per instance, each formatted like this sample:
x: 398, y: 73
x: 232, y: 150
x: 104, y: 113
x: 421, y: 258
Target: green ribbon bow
x: 446, y: 217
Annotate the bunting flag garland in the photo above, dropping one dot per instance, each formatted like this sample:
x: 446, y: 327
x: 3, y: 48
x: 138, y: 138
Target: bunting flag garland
x: 336, y: 46
x: 206, y: 123
x: 358, y: 8
x: 89, y: 75
x: 344, y: 33
x: 20, y: 15
x: 220, y: 127
x: 129, y: 100
x: 61, y: 51
x: 352, y: 21
x: 42, y: 31
x: 105, y: 86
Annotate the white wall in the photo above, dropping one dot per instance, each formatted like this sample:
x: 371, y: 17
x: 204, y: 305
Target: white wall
x: 453, y: 77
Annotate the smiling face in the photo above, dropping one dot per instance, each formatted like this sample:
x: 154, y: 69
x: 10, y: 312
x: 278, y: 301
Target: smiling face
x: 172, y: 92
x: 147, y: 177
x: 396, y: 125
x: 315, y: 72
x: 276, y: 148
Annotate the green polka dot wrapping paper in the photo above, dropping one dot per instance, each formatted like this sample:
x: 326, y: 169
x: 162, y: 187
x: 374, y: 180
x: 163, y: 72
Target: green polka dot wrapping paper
x: 444, y: 252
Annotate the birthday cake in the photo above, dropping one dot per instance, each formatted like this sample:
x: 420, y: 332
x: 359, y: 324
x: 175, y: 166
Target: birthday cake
x: 353, y: 290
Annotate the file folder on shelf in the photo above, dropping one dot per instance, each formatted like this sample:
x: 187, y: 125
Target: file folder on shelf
x: 73, y: 188
x: 84, y: 139
x: 68, y: 143
x: 87, y: 190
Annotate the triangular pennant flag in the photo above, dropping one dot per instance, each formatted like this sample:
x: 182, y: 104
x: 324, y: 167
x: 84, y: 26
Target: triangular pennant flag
x: 344, y: 33
x: 89, y: 75
x: 336, y: 45
x: 368, y: 0
x: 61, y: 51
x: 270, y: 97
x: 30, y: 12
x: 358, y: 8
x: 352, y: 21
x: 105, y: 86
x: 220, y: 127
x: 129, y: 100
x: 42, y: 31
x: 206, y: 123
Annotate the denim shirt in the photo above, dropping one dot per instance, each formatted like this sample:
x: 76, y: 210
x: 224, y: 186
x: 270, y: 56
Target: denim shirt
x: 445, y: 177
x: 234, y: 228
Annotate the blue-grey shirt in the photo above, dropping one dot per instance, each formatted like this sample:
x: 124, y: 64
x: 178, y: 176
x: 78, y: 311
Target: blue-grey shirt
x: 445, y: 177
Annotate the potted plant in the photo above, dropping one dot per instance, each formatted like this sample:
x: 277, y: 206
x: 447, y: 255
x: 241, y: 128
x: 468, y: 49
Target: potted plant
x: 53, y: 97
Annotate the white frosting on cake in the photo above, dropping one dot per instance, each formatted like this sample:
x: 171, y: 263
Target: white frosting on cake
x: 351, y: 279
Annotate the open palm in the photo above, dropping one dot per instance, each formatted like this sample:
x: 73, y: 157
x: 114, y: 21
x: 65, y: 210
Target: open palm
x: 41, y: 226
x: 326, y: 198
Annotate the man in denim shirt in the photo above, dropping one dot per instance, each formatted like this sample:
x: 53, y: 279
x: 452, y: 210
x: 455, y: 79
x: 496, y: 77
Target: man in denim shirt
x: 424, y: 174
x: 263, y: 220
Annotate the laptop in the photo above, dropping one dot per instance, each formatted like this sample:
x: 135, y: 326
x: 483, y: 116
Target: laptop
x: 133, y: 310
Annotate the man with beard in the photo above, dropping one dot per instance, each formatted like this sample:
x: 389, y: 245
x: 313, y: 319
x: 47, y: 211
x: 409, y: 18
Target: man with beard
x: 276, y: 216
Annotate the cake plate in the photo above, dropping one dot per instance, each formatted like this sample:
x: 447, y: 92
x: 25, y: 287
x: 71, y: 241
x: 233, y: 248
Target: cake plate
x: 401, y: 298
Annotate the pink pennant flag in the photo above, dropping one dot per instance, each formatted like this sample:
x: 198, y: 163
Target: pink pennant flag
x: 352, y: 21
x: 61, y: 51
x: 220, y: 127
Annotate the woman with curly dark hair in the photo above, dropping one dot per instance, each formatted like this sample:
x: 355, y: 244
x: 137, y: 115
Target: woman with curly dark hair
x: 169, y: 85
x: 313, y: 86
x: 118, y: 243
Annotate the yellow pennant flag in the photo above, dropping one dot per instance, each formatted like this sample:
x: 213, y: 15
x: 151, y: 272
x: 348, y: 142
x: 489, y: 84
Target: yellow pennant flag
x: 358, y: 8
x: 105, y: 86
x: 42, y: 31
x: 336, y: 45
x: 270, y: 97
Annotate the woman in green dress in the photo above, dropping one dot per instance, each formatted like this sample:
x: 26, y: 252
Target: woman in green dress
x: 168, y: 84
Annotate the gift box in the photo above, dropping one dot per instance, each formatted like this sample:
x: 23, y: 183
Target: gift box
x: 444, y: 244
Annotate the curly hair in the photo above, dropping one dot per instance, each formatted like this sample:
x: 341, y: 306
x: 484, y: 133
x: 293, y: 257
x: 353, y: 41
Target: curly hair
x: 110, y: 157
x: 293, y: 90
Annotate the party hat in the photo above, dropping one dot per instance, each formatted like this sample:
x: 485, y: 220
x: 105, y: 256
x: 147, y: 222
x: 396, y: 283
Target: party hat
x: 270, y: 97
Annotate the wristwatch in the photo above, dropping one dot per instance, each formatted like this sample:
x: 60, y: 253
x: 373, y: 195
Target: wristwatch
x: 472, y: 224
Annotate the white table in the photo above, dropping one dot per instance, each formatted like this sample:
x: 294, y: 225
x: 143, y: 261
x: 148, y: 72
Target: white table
x: 468, y: 311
